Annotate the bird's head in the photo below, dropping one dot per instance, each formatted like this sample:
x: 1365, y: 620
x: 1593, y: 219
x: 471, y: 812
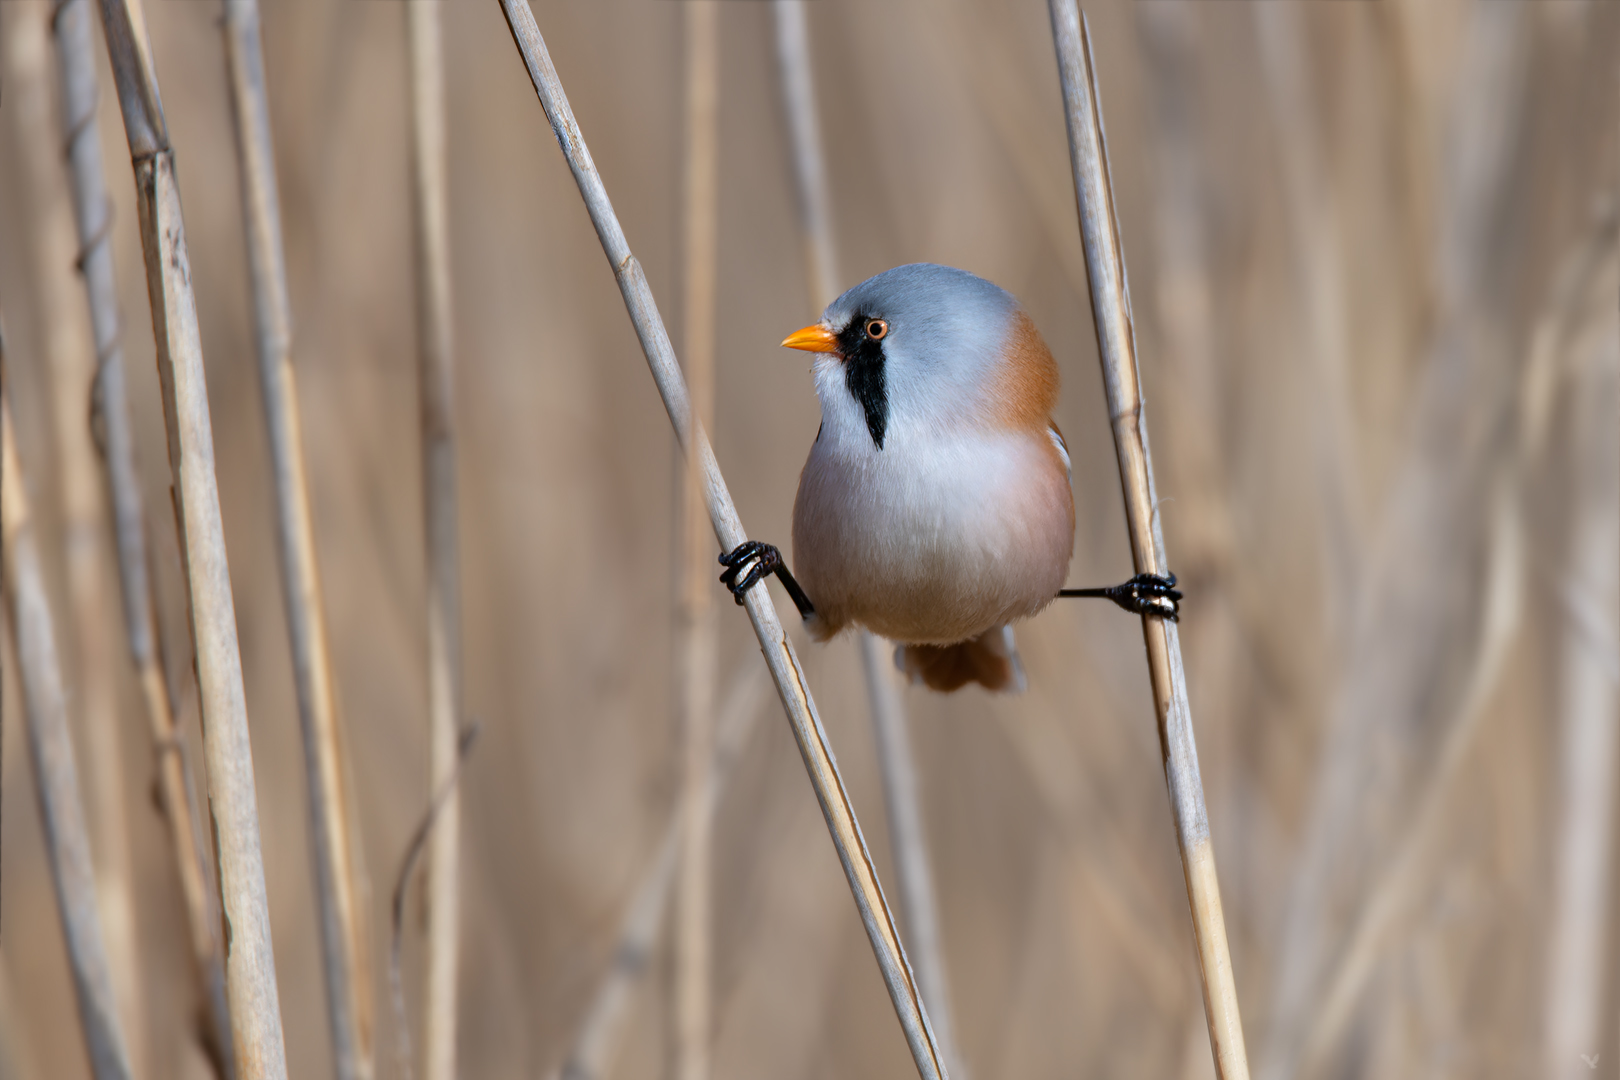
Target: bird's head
x: 922, y: 350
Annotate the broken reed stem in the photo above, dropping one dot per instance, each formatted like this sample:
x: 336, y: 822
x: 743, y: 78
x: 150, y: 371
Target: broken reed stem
x: 599, y: 1032
x: 250, y: 972
x: 779, y: 656
x: 896, y: 764
x: 431, y: 203
x: 698, y: 621
x: 1116, y: 348
x: 334, y: 833
x: 68, y: 354
x: 93, y: 214
x: 56, y: 781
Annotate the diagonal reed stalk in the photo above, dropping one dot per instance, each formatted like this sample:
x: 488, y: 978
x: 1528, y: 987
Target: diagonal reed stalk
x: 250, y: 971
x: 896, y: 763
x: 56, y: 781
x: 431, y: 200
x: 93, y: 214
x: 1116, y: 348
x: 334, y: 831
x: 779, y: 656
x: 69, y: 356
x: 698, y: 624
x: 591, y: 1056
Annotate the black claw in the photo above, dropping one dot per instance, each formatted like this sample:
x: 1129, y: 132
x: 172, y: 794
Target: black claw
x: 751, y: 560
x: 1144, y: 594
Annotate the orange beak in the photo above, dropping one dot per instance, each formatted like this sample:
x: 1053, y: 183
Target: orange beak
x: 813, y: 338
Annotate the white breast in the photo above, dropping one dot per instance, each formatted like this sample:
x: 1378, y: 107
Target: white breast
x: 937, y: 537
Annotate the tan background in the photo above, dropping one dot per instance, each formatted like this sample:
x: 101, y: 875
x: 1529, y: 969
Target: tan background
x: 1448, y: 156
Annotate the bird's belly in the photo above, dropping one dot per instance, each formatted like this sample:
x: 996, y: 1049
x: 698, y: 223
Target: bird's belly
x: 935, y: 545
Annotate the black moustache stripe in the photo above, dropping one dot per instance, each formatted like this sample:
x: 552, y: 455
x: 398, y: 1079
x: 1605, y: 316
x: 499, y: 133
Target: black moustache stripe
x: 863, y: 374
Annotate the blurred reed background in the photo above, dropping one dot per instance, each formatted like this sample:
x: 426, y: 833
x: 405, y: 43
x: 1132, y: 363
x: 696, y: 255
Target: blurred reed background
x: 1374, y: 256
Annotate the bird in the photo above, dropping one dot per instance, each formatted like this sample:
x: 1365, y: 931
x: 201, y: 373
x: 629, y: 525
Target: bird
x: 935, y: 508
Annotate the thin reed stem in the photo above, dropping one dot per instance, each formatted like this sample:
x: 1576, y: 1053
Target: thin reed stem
x: 599, y: 1033
x: 896, y: 763
x: 430, y: 191
x: 779, y: 655
x: 250, y: 973
x: 56, y: 780
x: 93, y: 215
x: 334, y: 832
x: 698, y: 621
x: 69, y: 355
x: 1116, y: 348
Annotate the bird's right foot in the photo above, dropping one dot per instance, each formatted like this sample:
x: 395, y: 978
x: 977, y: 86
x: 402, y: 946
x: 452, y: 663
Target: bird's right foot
x: 750, y: 562
x: 746, y: 564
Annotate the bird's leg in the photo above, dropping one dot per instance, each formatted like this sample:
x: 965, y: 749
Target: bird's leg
x: 1144, y: 594
x: 752, y: 561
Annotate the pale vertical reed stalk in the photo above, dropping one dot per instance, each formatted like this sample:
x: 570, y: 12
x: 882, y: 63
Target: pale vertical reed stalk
x: 1309, y: 200
x: 334, y: 832
x: 1590, y: 721
x: 70, y: 359
x: 16, y: 1053
x: 1116, y: 348
x: 435, y: 340
x: 896, y: 763
x: 779, y: 655
x: 1399, y: 882
x: 1415, y: 616
x: 93, y: 215
x: 250, y: 966
x: 56, y: 780
x: 698, y: 620
x: 599, y: 1033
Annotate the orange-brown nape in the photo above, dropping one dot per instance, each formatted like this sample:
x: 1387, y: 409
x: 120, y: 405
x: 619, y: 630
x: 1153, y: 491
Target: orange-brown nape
x: 1026, y: 386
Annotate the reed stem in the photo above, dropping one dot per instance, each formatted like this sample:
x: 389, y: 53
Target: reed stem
x: 779, y: 655
x: 896, y: 763
x: 93, y: 215
x: 698, y: 623
x: 599, y: 1032
x: 1116, y: 348
x: 56, y: 780
x: 89, y: 666
x: 250, y: 974
x: 334, y: 832
x: 430, y: 192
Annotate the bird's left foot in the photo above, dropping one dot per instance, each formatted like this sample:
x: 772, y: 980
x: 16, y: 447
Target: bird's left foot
x: 1144, y: 594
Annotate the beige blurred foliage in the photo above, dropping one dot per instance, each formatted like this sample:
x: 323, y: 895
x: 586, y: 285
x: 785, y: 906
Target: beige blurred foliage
x: 1373, y: 254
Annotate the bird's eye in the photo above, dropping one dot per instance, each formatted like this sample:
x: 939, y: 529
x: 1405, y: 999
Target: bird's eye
x: 877, y: 329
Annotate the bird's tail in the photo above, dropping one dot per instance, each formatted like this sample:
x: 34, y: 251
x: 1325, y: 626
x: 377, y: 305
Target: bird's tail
x: 991, y: 660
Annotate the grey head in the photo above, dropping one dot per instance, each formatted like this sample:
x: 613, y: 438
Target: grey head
x: 918, y: 346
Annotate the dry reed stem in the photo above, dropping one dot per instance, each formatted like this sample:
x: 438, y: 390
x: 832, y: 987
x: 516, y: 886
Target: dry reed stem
x: 396, y: 930
x: 896, y: 763
x: 1579, y: 943
x: 842, y: 825
x: 1314, y: 229
x: 17, y: 1060
x: 250, y: 974
x: 334, y: 832
x: 93, y: 215
x: 1415, y: 592
x: 69, y: 356
x: 56, y: 781
x: 601, y: 1030
x: 435, y: 340
x: 698, y: 625
x: 1116, y: 348
x: 1396, y: 886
